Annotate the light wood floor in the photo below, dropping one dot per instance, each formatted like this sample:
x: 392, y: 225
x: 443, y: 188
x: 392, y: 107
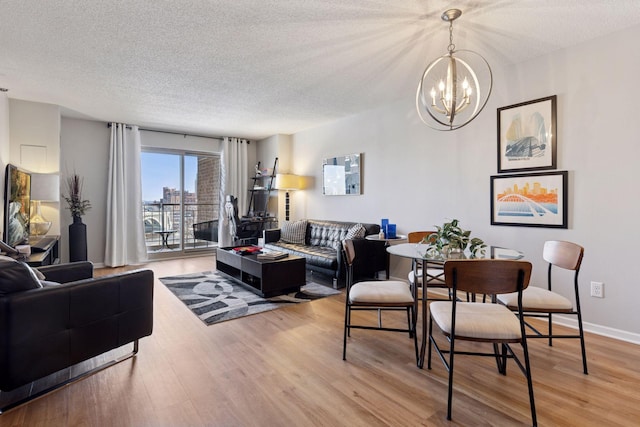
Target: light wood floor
x: 284, y: 368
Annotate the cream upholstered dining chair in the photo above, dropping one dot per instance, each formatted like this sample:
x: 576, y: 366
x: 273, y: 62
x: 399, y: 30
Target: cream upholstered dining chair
x: 376, y: 295
x: 540, y: 302
x: 434, y: 273
x: 482, y: 322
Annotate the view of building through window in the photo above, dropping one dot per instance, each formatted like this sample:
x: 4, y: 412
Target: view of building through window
x: 180, y: 193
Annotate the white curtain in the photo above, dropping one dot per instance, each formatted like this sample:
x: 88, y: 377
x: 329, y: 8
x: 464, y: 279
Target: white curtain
x: 125, y: 242
x: 233, y: 182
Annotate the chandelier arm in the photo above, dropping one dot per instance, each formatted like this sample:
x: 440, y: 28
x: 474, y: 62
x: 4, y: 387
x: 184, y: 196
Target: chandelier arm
x: 462, y: 106
x: 453, y: 84
x: 440, y: 110
x: 444, y: 104
x: 422, y: 118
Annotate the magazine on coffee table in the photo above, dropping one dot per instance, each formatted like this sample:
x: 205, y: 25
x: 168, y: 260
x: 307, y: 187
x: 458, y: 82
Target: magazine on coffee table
x: 272, y: 255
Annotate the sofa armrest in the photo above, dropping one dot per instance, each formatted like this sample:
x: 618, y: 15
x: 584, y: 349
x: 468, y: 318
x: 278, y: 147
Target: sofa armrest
x: 271, y: 235
x: 70, y: 272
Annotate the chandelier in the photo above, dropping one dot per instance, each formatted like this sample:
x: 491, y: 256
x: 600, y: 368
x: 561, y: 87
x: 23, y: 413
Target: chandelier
x: 455, y: 87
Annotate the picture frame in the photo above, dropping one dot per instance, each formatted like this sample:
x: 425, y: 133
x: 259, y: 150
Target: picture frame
x: 17, y: 206
x: 342, y: 175
x: 527, y: 138
x: 530, y: 200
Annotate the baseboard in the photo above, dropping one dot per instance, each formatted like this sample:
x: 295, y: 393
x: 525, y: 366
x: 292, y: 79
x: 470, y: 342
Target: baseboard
x: 593, y: 328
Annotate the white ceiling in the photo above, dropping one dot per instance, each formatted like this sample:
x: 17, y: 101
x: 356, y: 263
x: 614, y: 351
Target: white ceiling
x: 255, y: 68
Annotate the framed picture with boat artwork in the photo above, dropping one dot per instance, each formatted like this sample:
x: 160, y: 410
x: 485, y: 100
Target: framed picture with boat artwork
x: 527, y: 136
x: 530, y: 200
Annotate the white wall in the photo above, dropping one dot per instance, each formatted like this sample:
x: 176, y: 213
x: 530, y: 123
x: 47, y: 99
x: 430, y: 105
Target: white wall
x: 418, y: 177
x: 4, y: 150
x: 34, y: 134
x: 84, y: 147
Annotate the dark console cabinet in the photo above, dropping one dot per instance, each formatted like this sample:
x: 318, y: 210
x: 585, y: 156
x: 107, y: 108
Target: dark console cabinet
x: 49, y: 254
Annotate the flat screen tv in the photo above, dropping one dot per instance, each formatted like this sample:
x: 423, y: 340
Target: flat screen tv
x: 17, y: 206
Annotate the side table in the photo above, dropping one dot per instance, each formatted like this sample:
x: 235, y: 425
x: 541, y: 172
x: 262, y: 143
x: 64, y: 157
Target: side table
x: 400, y: 238
x: 165, y: 237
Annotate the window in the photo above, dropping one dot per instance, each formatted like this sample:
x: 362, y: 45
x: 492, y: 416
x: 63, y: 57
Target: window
x: 180, y: 194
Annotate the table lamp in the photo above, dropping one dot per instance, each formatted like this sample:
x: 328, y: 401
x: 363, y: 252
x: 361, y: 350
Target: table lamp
x: 287, y: 182
x: 45, y: 187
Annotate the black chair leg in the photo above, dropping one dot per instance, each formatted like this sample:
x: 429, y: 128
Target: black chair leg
x: 582, y: 345
x: 415, y: 338
x: 501, y: 358
x: 347, y: 321
x: 430, y: 338
x: 550, y: 331
x: 450, y: 395
x: 504, y: 359
x: 525, y: 348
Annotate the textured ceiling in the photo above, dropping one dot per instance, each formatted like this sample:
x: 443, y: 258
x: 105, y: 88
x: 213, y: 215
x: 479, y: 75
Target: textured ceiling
x: 258, y: 68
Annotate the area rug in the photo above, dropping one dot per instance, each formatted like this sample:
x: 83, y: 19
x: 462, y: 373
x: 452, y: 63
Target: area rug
x: 214, y: 298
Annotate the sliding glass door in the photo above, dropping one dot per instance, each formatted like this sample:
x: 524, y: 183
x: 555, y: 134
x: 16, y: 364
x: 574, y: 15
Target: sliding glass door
x: 180, y: 192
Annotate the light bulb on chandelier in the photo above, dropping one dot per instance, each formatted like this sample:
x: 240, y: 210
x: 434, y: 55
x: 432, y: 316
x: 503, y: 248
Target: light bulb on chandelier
x: 455, y: 87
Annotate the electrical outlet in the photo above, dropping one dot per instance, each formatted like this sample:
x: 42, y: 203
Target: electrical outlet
x: 597, y: 289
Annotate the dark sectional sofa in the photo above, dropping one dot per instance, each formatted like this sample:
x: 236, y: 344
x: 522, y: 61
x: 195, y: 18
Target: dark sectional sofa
x: 323, y: 251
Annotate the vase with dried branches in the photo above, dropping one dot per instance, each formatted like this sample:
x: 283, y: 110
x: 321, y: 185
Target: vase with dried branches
x: 76, y: 204
x: 78, y: 207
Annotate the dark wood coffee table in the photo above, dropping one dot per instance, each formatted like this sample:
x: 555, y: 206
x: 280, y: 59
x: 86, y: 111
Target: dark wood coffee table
x: 266, y: 278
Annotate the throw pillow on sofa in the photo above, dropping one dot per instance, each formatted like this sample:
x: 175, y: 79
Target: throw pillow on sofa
x: 356, y: 232
x: 293, y: 232
x: 37, y: 272
x: 16, y: 276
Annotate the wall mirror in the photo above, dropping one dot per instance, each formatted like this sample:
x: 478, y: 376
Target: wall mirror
x: 341, y: 175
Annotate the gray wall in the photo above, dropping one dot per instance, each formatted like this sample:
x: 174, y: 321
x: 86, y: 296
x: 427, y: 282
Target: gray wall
x: 84, y: 148
x: 4, y: 149
x: 418, y: 177
x: 34, y: 144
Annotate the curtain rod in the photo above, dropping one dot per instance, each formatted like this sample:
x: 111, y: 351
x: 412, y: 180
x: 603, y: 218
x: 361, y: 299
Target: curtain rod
x: 176, y: 133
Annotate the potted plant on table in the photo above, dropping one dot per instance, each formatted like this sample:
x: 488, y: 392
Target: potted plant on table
x: 450, y: 239
x: 78, y: 207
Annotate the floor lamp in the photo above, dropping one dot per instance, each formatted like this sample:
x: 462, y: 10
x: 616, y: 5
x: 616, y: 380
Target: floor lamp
x: 287, y: 182
x: 45, y: 187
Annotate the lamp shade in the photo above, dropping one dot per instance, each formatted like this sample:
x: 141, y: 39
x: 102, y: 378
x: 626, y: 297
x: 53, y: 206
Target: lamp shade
x: 288, y: 182
x: 45, y: 187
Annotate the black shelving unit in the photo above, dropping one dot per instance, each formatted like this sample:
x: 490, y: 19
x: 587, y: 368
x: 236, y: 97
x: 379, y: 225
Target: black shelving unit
x: 261, y: 184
